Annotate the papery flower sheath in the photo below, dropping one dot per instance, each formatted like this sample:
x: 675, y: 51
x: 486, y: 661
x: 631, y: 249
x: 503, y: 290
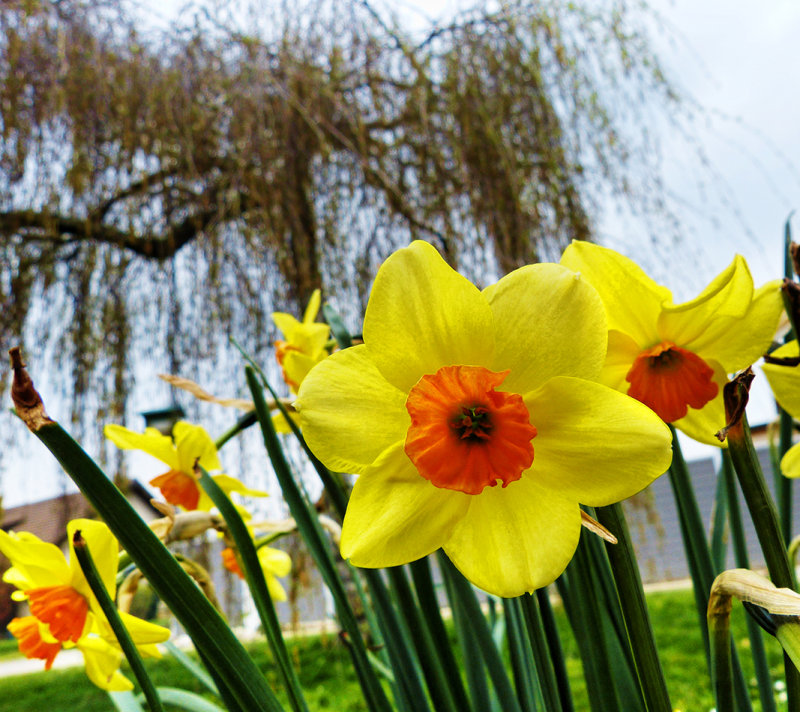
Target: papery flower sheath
x: 785, y: 383
x: 303, y: 343
x: 64, y: 611
x: 191, y: 444
x: 676, y: 358
x: 474, y: 421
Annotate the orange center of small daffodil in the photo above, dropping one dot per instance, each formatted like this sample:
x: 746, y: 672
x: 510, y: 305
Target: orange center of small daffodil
x: 465, y: 435
x: 62, y: 608
x: 281, y: 349
x: 31, y: 645
x: 178, y: 488
x: 230, y: 562
x: 670, y: 379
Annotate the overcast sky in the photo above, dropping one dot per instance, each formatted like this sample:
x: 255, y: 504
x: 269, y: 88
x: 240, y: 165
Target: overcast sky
x: 740, y: 63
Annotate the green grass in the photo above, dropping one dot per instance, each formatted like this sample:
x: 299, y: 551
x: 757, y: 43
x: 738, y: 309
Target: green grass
x: 329, y: 683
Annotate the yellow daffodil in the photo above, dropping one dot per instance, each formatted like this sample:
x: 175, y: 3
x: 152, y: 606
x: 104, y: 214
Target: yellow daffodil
x: 64, y: 611
x: 191, y: 444
x: 676, y: 358
x: 303, y: 344
x: 785, y: 383
x: 274, y: 563
x: 451, y: 394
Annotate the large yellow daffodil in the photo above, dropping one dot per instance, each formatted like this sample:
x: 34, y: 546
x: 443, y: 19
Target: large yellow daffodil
x: 191, y: 444
x: 785, y: 384
x: 451, y: 394
x: 676, y: 358
x: 64, y: 611
x: 303, y: 345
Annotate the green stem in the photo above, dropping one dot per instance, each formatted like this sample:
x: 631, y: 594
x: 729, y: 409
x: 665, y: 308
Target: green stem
x: 721, y: 664
x: 759, y: 654
x: 311, y: 531
x: 556, y: 651
x: 438, y: 686
x: 765, y: 520
x: 544, y: 668
x: 699, y: 558
x: 112, y: 616
x: 634, y: 609
x: 480, y: 629
x: 258, y: 587
x: 213, y: 638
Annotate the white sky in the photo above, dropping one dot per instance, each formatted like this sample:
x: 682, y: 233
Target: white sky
x: 739, y: 61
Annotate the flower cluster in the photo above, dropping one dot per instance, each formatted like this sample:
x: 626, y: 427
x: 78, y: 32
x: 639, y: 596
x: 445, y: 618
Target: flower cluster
x: 476, y: 421
x: 64, y: 612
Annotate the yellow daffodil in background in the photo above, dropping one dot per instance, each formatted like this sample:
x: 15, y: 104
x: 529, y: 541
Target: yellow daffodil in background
x: 191, y: 444
x: 304, y: 342
x: 676, y: 358
x: 456, y: 391
x: 64, y: 612
x: 785, y: 384
x: 274, y: 563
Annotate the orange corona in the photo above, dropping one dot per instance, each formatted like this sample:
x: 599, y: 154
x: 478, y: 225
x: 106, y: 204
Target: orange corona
x: 670, y: 379
x: 31, y: 645
x: 178, y: 488
x: 62, y: 608
x: 464, y: 434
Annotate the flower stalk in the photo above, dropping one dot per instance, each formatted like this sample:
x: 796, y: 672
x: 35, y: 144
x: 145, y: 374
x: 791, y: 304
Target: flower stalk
x: 110, y: 612
x: 634, y: 609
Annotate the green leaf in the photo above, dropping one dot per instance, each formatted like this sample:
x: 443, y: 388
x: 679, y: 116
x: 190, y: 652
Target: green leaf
x: 187, y: 700
x: 338, y: 329
x: 125, y: 701
x: 192, y: 666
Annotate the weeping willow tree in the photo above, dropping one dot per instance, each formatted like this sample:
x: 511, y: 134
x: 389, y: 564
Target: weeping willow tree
x: 163, y: 189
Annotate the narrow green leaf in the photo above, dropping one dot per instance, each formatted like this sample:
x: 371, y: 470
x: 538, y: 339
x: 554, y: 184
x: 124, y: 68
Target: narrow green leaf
x: 634, y: 609
x: 201, y: 620
x: 127, y: 645
x: 465, y: 594
x: 312, y: 534
x: 556, y: 650
x: 719, y: 521
x: 187, y: 700
x: 754, y: 632
x: 338, y: 329
x: 125, y: 701
x: 192, y: 666
x: 521, y: 656
x: 258, y: 587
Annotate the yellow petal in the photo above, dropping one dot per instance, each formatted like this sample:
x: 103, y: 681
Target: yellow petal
x: 548, y: 322
x: 286, y: 323
x: 703, y: 424
x: 632, y: 300
x: 423, y: 315
x: 102, y: 664
x: 276, y: 591
x: 313, y: 307
x: 785, y: 380
x: 274, y: 561
x: 395, y: 516
x: 104, y: 550
x: 143, y: 633
x: 729, y: 322
x: 36, y: 563
x: 296, y: 366
x: 151, y: 441
x: 622, y: 352
x: 227, y: 484
x: 193, y: 442
x: 349, y: 412
x: 790, y: 463
x: 516, y: 539
x: 595, y: 445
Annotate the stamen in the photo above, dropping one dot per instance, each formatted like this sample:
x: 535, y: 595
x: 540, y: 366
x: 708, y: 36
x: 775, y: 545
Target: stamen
x: 465, y: 435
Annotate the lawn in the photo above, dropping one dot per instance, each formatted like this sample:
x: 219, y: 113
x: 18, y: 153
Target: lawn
x: 328, y: 681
